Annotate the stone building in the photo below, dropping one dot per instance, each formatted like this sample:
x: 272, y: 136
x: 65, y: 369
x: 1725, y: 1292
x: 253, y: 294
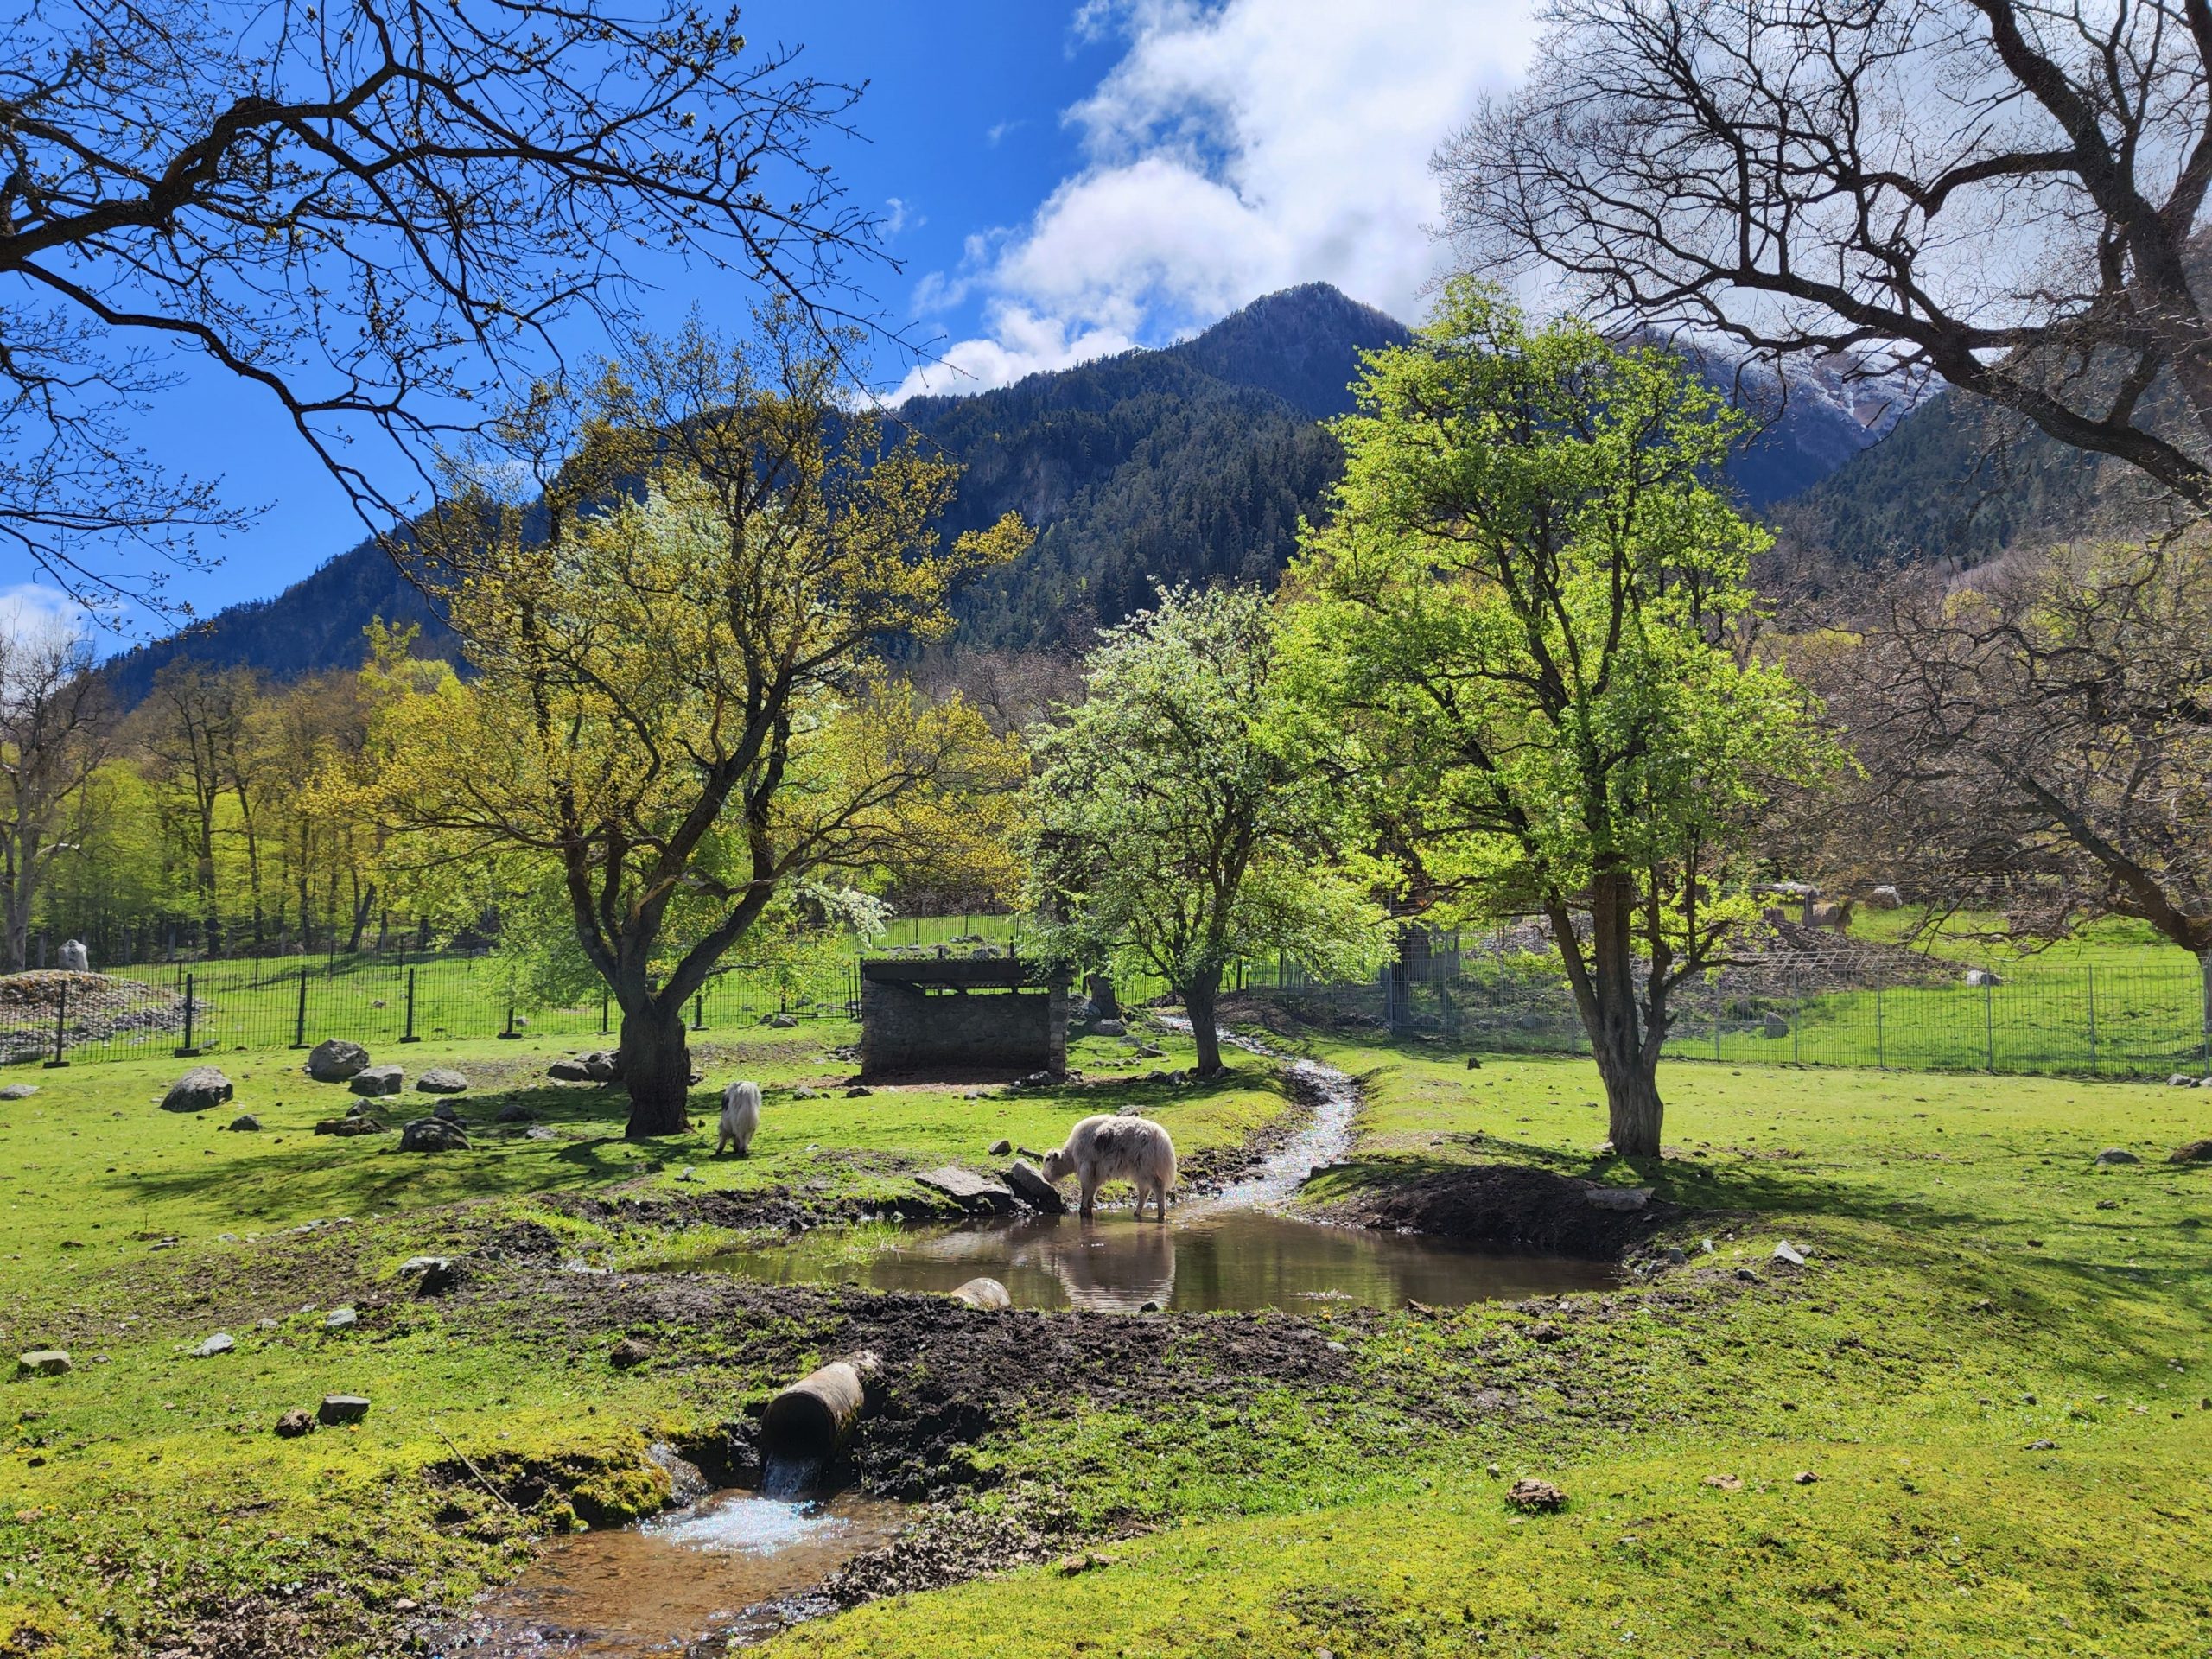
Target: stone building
x: 959, y: 1016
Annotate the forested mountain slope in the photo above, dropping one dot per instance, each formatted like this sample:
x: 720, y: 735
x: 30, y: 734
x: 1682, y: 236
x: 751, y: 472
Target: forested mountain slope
x: 1189, y: 464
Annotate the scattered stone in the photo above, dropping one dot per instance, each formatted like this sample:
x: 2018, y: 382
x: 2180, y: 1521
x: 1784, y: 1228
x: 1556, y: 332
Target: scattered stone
x: 245, y: 1122
x: 2117, y: 1155
x: 2196, y: 1152
x: 360, y: 1122
x: 1001, y: 1147
x: 1982, y: 978
x: 440, y: 1080
x: 341, y: 1408
x: 1537, y: 1497
x: 1885, y: 898
x: 1804, y: 1477
x: 604, y: 1065
x: 1675, y: 1255
x: 2113, y: 1204
x: 1148, y: 1308
x: 415, y: 1264
x: 515, y: 1112
x: 438, y: 1278
x: 445, y: 1112
x: 296, y: 1422
x: 18, y: 1091
x: 197, y: 1090
x: 373, y: 1080
x: 783, y: 1021
x: 974, y: 1194
x: 1617, y: 1198
x: 1774, y: 1025
x: 568, y: 1071
x: 336, y: 1061
x: 1725, y: 1483
x: 432, y: 1135
x: 1111, y: 1028
x: 984, y: 1292
x: 1746, y: 1276
x: 1037, y: 1080
x: 1072, y: 1565
x: 539, y: 1131
x: 2181, y: 1080
x: 43, y: 1361
x: 689, y: 1172
x: 1028, y: 1184
x: 859, y: 1091
x: 220, y: 1342
x: 2043, y: 1445
x: 340, y: 1318
x: 628, y: 1353
x: 1785, y: 1251
x: 804, y: 1093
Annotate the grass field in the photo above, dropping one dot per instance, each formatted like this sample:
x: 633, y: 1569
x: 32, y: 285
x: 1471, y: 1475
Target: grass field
x: 1976, y: 1286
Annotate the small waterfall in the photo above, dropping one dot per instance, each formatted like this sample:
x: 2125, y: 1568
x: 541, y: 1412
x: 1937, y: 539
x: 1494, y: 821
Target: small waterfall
x: 789, y: 1476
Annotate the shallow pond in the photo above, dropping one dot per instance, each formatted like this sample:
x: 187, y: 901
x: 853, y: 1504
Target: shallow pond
x: 730, y: 1565
x: 1214, y: 1258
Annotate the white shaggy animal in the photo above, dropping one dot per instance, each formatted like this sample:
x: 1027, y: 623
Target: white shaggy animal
x: 1106, y: 1148
x: 740, y: 1117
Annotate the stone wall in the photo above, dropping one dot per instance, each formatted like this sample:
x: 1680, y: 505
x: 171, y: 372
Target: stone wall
x: 905, y: 1029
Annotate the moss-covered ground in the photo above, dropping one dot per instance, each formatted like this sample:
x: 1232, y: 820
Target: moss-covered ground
x: 1994, y: 1368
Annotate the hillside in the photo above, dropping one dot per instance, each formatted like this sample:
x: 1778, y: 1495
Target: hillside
x: 1193, y: 463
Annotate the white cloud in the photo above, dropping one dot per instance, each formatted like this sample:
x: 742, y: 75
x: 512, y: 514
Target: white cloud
x: 1233, y: 150
x: 31, y: 608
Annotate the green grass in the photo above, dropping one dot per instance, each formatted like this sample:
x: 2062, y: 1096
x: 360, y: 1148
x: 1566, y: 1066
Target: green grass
x: 1966, y: 1296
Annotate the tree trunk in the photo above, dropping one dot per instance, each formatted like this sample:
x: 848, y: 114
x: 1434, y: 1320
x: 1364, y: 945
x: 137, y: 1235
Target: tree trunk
x: 363, y: 904
x: 1199, y: 997
x: 656, y: 1068
x: 1627, y: 1055
x: 1100, y: 992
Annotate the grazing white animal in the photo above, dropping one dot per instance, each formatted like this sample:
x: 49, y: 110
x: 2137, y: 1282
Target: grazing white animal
x: 740, y: 1117
x: 1107, y: 1148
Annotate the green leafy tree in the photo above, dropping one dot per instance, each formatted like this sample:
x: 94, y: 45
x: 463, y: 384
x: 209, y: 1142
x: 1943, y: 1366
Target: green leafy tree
x: 1174, y: 830
x: 1519, y: 625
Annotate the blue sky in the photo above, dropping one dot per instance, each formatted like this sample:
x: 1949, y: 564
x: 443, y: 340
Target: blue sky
x: 1059, y: 180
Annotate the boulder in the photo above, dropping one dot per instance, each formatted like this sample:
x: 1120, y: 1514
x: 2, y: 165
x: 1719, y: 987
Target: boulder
x: 2117, y: 1155
x: 432, y: 1135
x: 983, y: 1293
x: 1537, y: 1497
x: 245, y: 1122
x: 374, y: 1080
x: 43, y: 1361
x: 447, y: 1112
x: 336, y: 1061
x: 75, y: 959
x: 441, y: 1276
x: 1028, y: 1184
x: 2196, y: 1152
x: 568, y: 1071
x: 977, y: 1194
x: 2181, y: 1080
x: 1981, y: 979
x: 352, y: 1123
x: 603, y: 1065
x: 18, y: 1091
x: 629, y: 1353
x: 1111, y: 1028
x: 202, y: 1087
x: 1785, y: 1251
x: 341, y: 1408
x: 783, y: 1021
x: 220, y: 1342
x: 859, y: 1091
x: 340, y: 1318
x: 1000, y: 1147
x: 1885, y: 898
x: 296, y: 1422
x: 439, y: 1081
x: 1774, y: 1025
x: 420, y: 1264
x: 1617, y: 1198
x: 515, y: 1112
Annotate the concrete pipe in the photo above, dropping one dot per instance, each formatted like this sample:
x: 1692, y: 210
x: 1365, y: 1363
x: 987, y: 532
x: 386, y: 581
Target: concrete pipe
x: 809, y: 1421
x: 983, y: 1293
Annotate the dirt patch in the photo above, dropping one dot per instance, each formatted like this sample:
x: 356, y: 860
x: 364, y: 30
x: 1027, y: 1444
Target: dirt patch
x: 1507, y: 1207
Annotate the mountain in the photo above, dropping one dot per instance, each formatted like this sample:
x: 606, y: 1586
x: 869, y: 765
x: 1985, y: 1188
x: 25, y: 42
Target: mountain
x: 1192, y: 463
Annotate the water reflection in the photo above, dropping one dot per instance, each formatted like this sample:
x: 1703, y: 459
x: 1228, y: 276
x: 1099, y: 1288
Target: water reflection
x: 1213, y: 1258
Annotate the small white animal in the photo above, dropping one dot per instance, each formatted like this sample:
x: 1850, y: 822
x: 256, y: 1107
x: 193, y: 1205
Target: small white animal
x: 1108, y: 1148
x: 740, y: 1117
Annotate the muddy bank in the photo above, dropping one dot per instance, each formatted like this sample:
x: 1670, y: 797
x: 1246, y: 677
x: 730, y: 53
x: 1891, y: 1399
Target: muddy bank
x: 1507, y: 1207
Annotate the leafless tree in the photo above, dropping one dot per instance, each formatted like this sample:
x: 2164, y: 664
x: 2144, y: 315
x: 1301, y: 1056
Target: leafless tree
x: 2040, y: 744
x: 54, y: 734
x: 375, y: 211
x: 2004, y: 194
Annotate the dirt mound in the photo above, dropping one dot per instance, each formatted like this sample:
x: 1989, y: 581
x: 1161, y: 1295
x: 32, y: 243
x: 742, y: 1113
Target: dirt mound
x: 99, y: 1006
x: 1507, y: 1207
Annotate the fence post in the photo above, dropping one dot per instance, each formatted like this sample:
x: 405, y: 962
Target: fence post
x: 299, y: 1019
x: 1989, y: 1025
x: 191, y: 1007
x: 1716, y: 1022
x: 1881, y: 1055
x: 602, y: 1010
x: 62, y: 1029
x: 1796, y: 1021
x: 2092, y: 973
x: 699, y: 1009
x: 510, y: 1031
x: 411, y: 1036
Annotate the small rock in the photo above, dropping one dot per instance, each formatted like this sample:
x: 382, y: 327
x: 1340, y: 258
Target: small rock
x: 420, y: 1264
x: 245, y: 1122
x: 2112, y: 1204
x: 1537, y: 1497
x: 515, y: 1112
x: 1774, y: 1026
x: 1001, y: 1147
x: 340, y: 1318
x: 783, y: 1021
x: 18, y: 1091
x: 1747, y: 1276
x: 1111, y: 1028
x: 43, y: 1361
x: 1072, y: 1565
x: 538, y: 1132
x: 1617, y: 1198
x: 447, y: 1112
x: 1725, y: 1483
x: 1804, y: 1477
x: 2043, y: 1445
x: 2181, y: 1080
x: 441, y: 1080
x: 568, y: 1071
x: 432, y: 1135
x: 197, y: 1090
x: 1675, y: 1255
x: 1148, y: 1308
x: 341, y: 1408
x: 296, y: 1422
x: 336, y: 1061
x: 629, y: 1352
x: 374, y: 1080
x: 1028, y: 1184
x: 220, y: 1342
x: 1785, y: 1251
x: 604, y: 1065
x: 1885, y: 898
x: 2196, y: 1152
x: 1982, y: 978
x: 1474, y: 1062
x: 360, y: 1122
x: 984, y: 1292
x: 2117, y: 1155
x: 438, y: 1278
